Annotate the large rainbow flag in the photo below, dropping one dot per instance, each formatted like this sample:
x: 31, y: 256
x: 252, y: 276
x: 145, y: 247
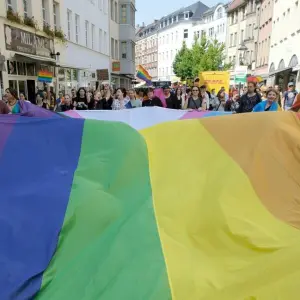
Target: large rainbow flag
x: 205, y: 209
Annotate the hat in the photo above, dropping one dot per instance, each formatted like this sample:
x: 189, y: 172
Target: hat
x: 291, y: 84
x: 166, y: 87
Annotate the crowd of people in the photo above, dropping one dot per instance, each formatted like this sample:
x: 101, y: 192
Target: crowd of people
x: 251, y: 99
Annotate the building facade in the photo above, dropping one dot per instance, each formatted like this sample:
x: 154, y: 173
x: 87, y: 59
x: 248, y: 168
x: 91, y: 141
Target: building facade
x: 147, y: 48
x: 122, y: 42
x: 251, y: 34
x: 213, y: 24
x: 174, y: 29
x: 86, y: 24
x: 236, y: 33
x: 265, y: 15
x: 29, y: 45
x: 285, y: 42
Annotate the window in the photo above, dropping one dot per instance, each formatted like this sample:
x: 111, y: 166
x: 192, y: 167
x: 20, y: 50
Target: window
x: 112, y: 48
x: 9, y: 4
x: 231, y: 40
x: 100, y: 40
x: 219, y: 13
x: 116, y: 49
x: 25, y: 5
x: 242, y: 36
x: 93, y: 36
x: 124, y: 50
x: 132, y: 15
x: 105, y: 42
x: 185, y: 33
x: 86, y: 33
x: 77, y: 22
x: 55, y: 15
x: 235, y: 39
x: 69, y: 20
x: 112, y: 9
x: 211, y: 31
x: 44, y: 12
x: 116, y: 12
x: 123, y: 14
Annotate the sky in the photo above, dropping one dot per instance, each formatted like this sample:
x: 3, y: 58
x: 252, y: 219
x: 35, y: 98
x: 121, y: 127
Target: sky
x: 148, y: 10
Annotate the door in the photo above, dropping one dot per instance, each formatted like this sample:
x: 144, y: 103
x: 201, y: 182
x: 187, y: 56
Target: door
x: 31, y: 90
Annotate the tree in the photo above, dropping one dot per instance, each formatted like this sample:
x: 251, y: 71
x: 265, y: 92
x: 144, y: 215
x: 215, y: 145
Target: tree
x: 205, y: 55
x: 182, y: 64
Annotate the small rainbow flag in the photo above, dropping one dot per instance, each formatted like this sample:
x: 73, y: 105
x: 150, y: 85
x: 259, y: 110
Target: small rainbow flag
x: 143, y: 75
x: 45, y: 76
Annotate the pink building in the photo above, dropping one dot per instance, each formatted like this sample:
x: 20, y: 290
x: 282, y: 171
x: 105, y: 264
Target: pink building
x: 264, y: 37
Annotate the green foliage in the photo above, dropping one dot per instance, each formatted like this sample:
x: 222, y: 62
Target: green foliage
x: 205, y: 55
x: 13, y: 16
x: 182, y: 64
x: 29, y: 21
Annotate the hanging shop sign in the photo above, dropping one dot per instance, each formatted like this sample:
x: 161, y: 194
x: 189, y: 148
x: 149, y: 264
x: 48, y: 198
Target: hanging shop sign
x: 102, y: 75
x: 116, y: 66
x: 27, y: 42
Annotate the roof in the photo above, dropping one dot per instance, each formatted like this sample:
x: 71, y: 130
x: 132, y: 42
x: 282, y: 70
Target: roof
x: 235, y: 4
x: 153, y: 25
x: 212, y: 9
x: 197, y: 9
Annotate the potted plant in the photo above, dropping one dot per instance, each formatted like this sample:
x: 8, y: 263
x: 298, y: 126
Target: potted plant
x: 29, y: 21
x: 47, y: 29
x: 13, y: 16
x: 59, y: 34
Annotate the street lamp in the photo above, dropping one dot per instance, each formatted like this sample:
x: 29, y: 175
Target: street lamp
x: 243, y: 49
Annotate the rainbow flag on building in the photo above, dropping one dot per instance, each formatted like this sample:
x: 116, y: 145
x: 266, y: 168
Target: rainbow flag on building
x: 203, y: 209
x: 45, y: 76
x: 143, y: 75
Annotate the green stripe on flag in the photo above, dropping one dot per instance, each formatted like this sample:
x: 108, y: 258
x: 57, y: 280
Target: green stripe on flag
x: 109, y: 247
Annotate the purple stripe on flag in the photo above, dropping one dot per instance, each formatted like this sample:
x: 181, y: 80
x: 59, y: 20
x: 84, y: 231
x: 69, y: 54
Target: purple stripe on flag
x: 73, y: 114
x: 204, y: 114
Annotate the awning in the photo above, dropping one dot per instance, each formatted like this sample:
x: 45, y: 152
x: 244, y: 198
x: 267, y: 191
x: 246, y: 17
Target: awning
x: 279, y: 71
x: 65, y: 66
x: 35, y: 58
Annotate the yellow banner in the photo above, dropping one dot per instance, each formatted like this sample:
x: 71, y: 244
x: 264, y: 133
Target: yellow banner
x: 215, y: 80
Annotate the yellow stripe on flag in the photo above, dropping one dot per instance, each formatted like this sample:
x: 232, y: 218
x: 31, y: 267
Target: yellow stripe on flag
x: 219, y: 241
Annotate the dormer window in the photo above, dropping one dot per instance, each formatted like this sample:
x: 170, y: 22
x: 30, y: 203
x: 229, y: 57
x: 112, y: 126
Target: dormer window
x: 186, y: 15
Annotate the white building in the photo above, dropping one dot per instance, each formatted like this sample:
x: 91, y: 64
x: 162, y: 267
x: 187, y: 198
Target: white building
x: 285, y: 44
x: 86, y: 24
x: 122, y: 42
x: 173, y: 30
x: 27, y: 46
x: 212, y: 25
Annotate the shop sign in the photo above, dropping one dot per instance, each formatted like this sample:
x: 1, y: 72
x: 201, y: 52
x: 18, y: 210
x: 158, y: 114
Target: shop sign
x: 102, y: 74
x: 27, y: 42
x: 240, y: 73
x: 116, y: 66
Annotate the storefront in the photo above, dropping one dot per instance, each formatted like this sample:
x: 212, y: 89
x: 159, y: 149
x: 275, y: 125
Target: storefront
x: 284, y: 74
x: 26, y: 55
